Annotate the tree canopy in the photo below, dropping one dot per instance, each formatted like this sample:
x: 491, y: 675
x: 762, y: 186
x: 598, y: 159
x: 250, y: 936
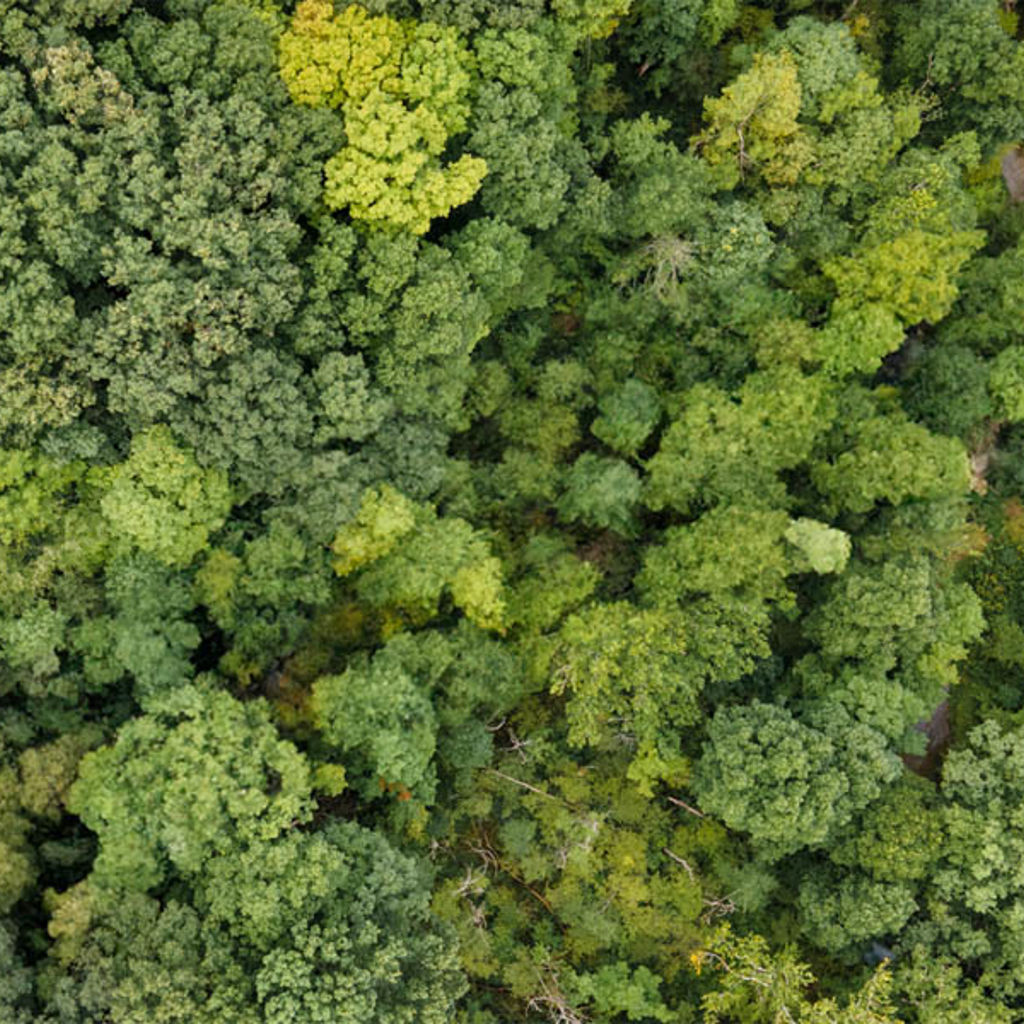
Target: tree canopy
x: 511, y: 511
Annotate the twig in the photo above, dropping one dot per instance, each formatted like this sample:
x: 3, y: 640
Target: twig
x: 679, y: 860
x: 685, y: 806
x: 526, y: 785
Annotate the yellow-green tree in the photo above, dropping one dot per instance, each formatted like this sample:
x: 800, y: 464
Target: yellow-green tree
x: 402, y: 88
x: 752, y: 127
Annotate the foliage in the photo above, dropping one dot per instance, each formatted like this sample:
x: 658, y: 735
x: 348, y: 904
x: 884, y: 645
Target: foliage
x: 753, y: 126
x: 757, y: 986
x: 787, y: 783
x: 402, y: 90
x: 141, y: 797
x: 500, y: 501
x: 348, y: 937
x: 412, y: 555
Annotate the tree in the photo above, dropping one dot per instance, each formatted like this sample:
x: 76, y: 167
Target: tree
x: 892, y: 459
x: 349, y: 937
x: 162, y: 502
x: 930, y: 990
x: 382, y: 723
x: 976, y: 884
x: 16, y: 1000
x: 417, y: 707
x: 787, y: 783
x: 198, y: 776
x: 723, y: 450
x: 17, y: 867
x: 843, y: 913
x: 913, y: 275
x: 898, y: 838
x: 758, y: 986
x: 663, y: 38
x: 971, y: 61
x: 626, y: 673
x: 752, y: 127
x: 402, y: 89
x: 332, y: 925
x: 407, y: 555
x: 627, y: 417
x: 601, y: 492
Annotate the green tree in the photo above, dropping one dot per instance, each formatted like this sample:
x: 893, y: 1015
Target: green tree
x: 974, y: 889
x: 16, y: 996
x: 752, y: 127
x: 626, y: 673
x: 332, y: 925
x: 758, y: 986
x: 406, y: 556
x: 601, y: 492
x: 838, y: 913
x: 722, y: 450
x: 382, y: 723
x: 198, y: 777
x: 969, y: 59
x: 787, y: 783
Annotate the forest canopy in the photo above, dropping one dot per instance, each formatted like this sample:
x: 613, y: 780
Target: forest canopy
x: 511, y: 510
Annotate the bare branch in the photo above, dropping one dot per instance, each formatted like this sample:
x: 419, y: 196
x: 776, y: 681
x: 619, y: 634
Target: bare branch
x: 679, y: 860
x: 685, y: 806
x: 525, y: 785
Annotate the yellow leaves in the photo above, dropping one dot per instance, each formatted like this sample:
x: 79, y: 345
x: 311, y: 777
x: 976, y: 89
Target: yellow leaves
x: 385, y: 516
x: 752, y: 126
x: 402, y: 89
x: 327, y: 60
x: 860, y: 26
x: 403, y: 192
x: 477, y: 590
x: 435, y: 74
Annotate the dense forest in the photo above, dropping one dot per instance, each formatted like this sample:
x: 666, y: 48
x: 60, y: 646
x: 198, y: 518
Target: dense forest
x: 510, y: 511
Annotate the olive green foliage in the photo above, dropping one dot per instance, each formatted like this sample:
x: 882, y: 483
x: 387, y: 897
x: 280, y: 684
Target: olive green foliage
x: 753, y: 125
x: 981, y: 834
x: 285, y: 931
x: 161, y: 502
x: 409, y: 555
x: 787, y: 783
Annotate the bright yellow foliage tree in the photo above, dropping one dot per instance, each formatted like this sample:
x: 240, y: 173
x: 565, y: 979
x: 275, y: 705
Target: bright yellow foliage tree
x: 402, y: 87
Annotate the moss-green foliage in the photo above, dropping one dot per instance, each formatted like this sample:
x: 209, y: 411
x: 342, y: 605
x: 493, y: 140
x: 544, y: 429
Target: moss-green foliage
x: 140, y: 795
x: 332, y: 926
x: 407, y: 556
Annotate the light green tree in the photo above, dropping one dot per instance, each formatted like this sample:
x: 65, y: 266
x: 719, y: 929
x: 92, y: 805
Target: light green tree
x: 752, y: 127
x: 160, y: 501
